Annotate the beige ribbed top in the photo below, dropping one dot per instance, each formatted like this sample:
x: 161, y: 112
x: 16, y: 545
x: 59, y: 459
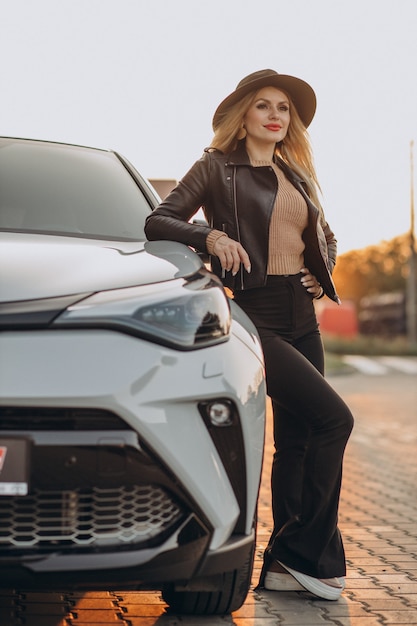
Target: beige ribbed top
x: 288, y: 221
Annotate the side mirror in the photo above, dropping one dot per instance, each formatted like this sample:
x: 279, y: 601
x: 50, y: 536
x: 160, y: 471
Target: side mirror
x: 203, y: 255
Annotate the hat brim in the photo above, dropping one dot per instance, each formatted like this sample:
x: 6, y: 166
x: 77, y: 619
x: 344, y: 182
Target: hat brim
x: 300, y: 92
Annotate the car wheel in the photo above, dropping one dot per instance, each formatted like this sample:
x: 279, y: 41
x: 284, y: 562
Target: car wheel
x: 227, y: 593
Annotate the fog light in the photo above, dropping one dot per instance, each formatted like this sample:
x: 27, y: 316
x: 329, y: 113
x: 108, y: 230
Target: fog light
x: 220, y: 414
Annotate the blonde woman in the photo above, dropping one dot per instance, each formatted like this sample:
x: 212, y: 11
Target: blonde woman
x: 272, y: 247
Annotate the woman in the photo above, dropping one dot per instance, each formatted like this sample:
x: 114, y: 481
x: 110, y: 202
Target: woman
x: 271, y: 245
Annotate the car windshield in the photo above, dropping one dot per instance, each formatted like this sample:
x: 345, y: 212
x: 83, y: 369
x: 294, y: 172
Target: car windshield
x: 68, y: 190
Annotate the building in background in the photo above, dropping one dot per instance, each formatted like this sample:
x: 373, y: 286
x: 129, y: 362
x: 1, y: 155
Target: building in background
x: 163, y: 186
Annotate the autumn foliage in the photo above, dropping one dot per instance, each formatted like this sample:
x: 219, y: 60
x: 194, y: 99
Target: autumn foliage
x: 376, y: 269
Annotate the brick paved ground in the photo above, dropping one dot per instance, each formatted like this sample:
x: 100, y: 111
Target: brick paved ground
x: 377, y: 518
x: 378, y: 513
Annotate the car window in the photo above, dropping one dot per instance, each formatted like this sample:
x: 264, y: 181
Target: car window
x: 68, y: 190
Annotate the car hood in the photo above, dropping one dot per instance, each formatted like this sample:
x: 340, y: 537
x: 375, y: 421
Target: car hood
x: 42, y: 266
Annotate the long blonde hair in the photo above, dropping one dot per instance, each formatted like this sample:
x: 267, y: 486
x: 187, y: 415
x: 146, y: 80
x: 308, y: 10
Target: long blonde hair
x: 295, y: 150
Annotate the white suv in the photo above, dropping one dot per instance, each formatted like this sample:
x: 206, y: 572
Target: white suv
x: 132, y: 392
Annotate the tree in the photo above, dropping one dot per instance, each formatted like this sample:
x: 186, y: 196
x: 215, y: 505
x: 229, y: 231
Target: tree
x: 381, y: 268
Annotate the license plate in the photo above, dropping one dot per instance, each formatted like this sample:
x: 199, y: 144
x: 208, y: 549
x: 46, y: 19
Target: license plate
x: 14, y: 466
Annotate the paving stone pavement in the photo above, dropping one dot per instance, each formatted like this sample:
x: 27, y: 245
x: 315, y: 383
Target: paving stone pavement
x: 377, y: 518
x: 378, y: 512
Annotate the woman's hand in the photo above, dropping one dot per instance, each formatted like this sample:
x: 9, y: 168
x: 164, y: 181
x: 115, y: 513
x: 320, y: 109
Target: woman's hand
x: 231, y: 254
x: 311, y: 283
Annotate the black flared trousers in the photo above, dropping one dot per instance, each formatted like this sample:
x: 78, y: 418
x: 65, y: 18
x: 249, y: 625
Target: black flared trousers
x: 312, y: 425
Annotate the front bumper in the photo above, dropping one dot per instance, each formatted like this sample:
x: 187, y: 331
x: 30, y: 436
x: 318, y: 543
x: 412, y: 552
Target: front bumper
x: 155, y: 392
x: 178, y: 561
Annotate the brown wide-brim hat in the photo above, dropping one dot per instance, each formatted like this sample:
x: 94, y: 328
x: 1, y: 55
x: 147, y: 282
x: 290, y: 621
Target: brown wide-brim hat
x: 300, y: 92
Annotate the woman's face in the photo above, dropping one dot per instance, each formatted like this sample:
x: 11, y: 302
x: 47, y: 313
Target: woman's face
x: 268, y: 117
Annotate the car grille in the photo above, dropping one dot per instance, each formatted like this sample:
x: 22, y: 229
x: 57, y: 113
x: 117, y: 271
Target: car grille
x: 58, y: 419
x: 87, y: 518
x: 107, y: 490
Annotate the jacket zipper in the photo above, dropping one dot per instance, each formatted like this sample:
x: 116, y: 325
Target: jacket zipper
x: 225, y: 231
x: 236, y: 219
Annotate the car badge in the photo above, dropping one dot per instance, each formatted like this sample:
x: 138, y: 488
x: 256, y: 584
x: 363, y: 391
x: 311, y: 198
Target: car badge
x: 3, y: 452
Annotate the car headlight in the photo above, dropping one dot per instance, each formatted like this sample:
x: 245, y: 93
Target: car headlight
x: 182, y: 314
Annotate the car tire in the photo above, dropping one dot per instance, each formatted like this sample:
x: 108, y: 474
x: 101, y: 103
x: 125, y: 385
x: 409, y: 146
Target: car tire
x: 225, y: 596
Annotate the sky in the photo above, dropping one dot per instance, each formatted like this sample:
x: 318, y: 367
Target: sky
x: 144, y: 77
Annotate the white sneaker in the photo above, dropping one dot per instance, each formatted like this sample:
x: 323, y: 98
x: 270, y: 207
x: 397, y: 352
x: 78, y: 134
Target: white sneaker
x: 328, y: 588
x: 278, y: 579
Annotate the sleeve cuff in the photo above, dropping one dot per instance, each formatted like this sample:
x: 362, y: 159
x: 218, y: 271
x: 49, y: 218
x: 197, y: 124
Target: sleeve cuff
x: 211, y: 239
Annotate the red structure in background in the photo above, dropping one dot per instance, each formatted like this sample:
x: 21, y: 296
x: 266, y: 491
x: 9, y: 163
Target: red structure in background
x: 341, y: 320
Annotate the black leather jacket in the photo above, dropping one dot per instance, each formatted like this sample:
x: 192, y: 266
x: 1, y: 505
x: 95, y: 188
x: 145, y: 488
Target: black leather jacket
x: 238, y: 199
